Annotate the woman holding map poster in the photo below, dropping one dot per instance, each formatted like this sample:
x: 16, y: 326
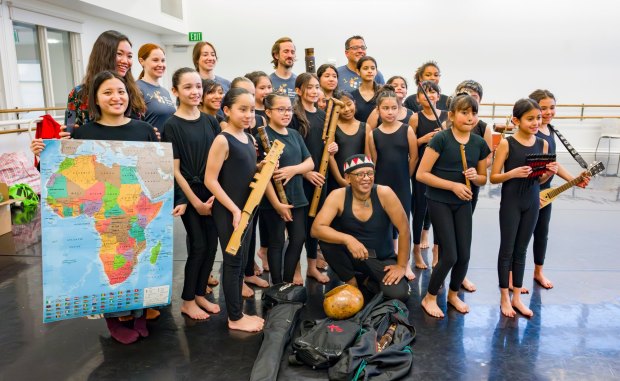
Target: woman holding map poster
x: 231, y: 166
x: 191, y: 133
x: 109, y: 104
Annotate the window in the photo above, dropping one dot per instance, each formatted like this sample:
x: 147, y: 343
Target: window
x: 44, y: 64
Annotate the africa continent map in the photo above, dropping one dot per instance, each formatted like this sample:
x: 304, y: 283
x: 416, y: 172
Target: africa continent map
x: 106, y: 226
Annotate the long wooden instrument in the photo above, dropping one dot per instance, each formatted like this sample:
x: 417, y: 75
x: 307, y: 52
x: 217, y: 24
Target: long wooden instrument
x: 548, y: 195
x: 464, y: 160
x: 264, y: 139
x: 258, y: 186
x: 329, y: 134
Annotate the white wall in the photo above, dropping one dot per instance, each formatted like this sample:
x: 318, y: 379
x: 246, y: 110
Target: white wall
x: 512, y: 47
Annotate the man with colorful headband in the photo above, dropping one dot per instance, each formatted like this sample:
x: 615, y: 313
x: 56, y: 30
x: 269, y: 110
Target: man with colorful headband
x: 354, y: 228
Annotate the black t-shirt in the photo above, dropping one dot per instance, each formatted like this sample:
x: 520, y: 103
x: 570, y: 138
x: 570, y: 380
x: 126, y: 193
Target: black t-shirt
x: 314, y: 138
x: 295, y: 152
x: 134, y: 130
x: 449, y: 165
x: 191, y: 141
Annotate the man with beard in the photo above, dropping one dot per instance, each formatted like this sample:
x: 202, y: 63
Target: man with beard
x: 348, y: 77
x: 283, y: 79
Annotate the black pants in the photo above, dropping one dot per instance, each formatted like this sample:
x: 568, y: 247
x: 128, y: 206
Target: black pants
x: 474, y: 200
x: 263, y: 231
x: 233, y: 265
x: 541, y: 234
x: 420, y: 214
x: 201, y: 250
x: 345, y: 266
x: 452, y: 226
x: 283, y: 269
x: 249, y: 266
x: 517, y: 219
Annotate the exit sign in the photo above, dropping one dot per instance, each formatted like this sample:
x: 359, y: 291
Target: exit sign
x: 195, y: 36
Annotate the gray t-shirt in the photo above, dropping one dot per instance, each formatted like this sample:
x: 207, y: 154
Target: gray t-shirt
x: 159, y: 104
x: 286, y: 86
x: 349, y: 80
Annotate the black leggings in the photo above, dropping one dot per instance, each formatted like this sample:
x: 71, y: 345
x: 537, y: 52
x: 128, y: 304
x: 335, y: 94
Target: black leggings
x: 517, y: 219
x: 201, y: 250
x: 233, y: 265
x: 263, y: 231
x: 249, y: 266
x: 420, y: 216
x: 541, y: 234
x: 345, y: 266
x: 452, y: 226
x: 283, y: 269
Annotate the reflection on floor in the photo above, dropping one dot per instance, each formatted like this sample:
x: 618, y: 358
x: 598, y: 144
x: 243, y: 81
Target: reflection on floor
x: 574, y: 334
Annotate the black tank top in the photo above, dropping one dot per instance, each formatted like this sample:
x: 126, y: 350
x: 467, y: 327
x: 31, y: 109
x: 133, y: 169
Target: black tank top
x: 517, y: 154
x: 426, y: 126
x: 393, y: 162
x: 349, y: 145
x: 376, y: 233
x: 238, y: 169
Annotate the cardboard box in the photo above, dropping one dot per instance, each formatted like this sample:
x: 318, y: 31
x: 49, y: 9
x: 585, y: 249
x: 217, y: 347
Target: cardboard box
x: 5, y: 210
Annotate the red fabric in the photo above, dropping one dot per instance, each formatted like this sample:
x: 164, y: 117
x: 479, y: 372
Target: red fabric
x: 47, y: 128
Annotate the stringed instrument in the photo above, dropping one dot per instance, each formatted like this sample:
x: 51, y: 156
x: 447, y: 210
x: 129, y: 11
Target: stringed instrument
x: 258, y: 186
x: 329, y: 134
x: 264, y: 139
x: 548, y: 195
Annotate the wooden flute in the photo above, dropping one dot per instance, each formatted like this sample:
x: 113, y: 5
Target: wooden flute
x: 264, y: 139
x: 258, y: 186
x: 329, y: 134
x: 464, y: 160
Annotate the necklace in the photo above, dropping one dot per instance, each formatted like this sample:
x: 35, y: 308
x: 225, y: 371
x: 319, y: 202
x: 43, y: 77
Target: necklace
x: 365, y: 203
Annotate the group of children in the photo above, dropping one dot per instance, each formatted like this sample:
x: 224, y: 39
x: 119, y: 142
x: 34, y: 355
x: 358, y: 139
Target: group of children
x: 418, y: 144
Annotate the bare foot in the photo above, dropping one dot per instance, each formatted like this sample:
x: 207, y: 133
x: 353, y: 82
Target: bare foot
x: 429, y: 305
x: 505, y: 304
x: 246, y: 291
x: 205, y: 304
x: 257, y: 270
x: 262, y: 254
x: 321, y: 263
x: 541, y: 279
x: 246, y: 324
x: 457, y: 303
x: 417, y: 257
x: 468, y: 286
x: 409, y: 273
x: 256, y: 317
x: 316, y: 274
x: 257, y: 281
x: 191, y: 309
x: 435, y: 255
x: 297, y: 278
x: 510, y: 287
x: 521, y: 308
x: 424, y: 239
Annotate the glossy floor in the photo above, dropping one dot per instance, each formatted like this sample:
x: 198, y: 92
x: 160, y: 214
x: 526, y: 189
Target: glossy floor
x: 574, y: 334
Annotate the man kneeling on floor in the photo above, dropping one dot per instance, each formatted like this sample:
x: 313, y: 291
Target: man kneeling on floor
x: 354, y: 228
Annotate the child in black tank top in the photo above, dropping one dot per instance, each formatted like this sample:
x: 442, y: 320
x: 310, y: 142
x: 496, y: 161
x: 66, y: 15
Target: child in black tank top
x: 520, y: 200
x: 449, y: 198
x: 351, y: 140
x: 397, y: 84
x: 425, y: 127
x: 231, y: 166
x: 393, y: 147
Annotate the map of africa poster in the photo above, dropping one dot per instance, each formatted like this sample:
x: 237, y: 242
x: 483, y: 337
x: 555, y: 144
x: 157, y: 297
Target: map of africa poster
x: 106, y: 226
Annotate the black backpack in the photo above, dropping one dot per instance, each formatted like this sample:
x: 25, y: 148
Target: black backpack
x: 362, y: 361
x: 322, y: 342
x: 284, y: 293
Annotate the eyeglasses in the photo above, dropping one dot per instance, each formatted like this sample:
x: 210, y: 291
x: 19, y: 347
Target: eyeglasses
x: 361, y: 175
x: 357, y: 47
x: 283, y: 110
